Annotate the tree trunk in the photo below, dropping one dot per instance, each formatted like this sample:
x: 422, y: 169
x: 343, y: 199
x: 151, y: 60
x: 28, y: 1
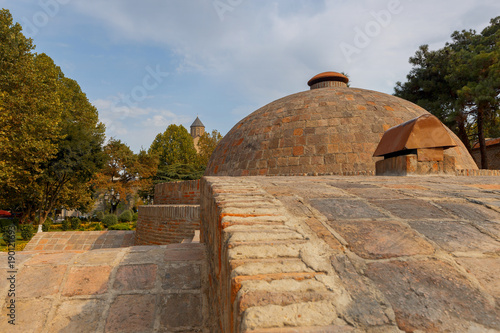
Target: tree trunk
x: 480, y: 134
x: 462, y: 132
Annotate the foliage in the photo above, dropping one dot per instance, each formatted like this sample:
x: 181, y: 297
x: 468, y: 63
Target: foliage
x: 99, y: 215
x: 135, y: 217
x: 121, y: 226
x: 124, y: 171
x: 96, y: 226
x: 178, y: 172
x: 27, y: 231
x: 46, y: 225
x: 206, y: 146
x: 9, y: 234
x: 66, y: 225
x: 175, y: 145
x: 125, y: 216
x: 75, y: 223
x: 50, y: 136
x: 460, y: 84
x: 109, y: 220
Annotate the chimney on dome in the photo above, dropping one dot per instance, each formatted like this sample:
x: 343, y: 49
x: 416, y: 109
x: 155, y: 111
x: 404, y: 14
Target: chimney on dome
x: 328, y: 79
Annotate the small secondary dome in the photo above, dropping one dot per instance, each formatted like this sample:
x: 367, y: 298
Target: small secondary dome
x: 330, y: 129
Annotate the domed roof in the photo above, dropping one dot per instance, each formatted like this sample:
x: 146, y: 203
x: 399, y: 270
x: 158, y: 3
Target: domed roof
x: 329, y: 129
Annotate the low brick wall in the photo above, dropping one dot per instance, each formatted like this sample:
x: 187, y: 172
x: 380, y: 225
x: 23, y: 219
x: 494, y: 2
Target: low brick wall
x: 166, y: 224
x: 493, y: 153
x: 178, y: 193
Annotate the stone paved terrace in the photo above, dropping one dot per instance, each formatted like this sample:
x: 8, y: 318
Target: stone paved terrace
x: 80, y: 240
x: 130, y: 289
x: 352, y: 254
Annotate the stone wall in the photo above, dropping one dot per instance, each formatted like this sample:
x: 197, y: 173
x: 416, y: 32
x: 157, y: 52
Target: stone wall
x: 178, y: 193
x: 493, y: 153
x: 166, y: 224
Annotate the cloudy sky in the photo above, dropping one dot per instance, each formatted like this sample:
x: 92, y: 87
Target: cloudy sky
x: 146, y: 64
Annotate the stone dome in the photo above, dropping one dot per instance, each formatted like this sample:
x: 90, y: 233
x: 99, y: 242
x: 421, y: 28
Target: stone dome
x: 330, y: 129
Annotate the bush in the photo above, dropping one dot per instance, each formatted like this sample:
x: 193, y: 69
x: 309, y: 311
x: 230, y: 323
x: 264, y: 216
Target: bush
x: 99, y: 216
x: 97, y: 226
x: 109, y: 220
x: 126, y: 216
x: 9, y: 234
x: 120, y: 226
x: 27, y: 231
x: 46, y: 225
x: 66, y: 225
x: 135, y: 217
x: 75, y: 223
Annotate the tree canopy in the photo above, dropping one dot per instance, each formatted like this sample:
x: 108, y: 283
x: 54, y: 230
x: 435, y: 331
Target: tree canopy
x: 460, y: 84
x: 50, y: 134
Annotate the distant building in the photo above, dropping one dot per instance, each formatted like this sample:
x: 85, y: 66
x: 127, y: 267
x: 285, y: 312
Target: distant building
x: 492, y: 151
x: 197, y: 130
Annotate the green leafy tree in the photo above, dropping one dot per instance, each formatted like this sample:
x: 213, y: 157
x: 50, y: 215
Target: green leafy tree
x: 460, y: 83
x: 124, y: 171
x: 206, y: 146
x: 51, y: 138
x: 175, y: 145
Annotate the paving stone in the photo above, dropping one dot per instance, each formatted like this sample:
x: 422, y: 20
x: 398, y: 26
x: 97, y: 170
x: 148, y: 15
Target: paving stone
x: 144, y: 254
x: 96, y: 257
x: 92, y: 280
x: 51, y: 259
x: 411, y: 209
x: 456, y: 236
x: 486, y: 271
x: 135, y: 277
x: 182, y: 254
x: 30, y: 316
x: 38, y: 281
x: 432, y: 296
x: 469, y: 211
x: 381, y: 240
x: 132, y: 313
x: 367, y: 306
x: 77, y: 316
x: 176, y: 306
x: 345, y: 209
x: 181, y: 276
x: 375, y: 193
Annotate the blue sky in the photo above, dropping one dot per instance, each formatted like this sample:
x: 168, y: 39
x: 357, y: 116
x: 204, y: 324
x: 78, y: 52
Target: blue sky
x: 147, y: 64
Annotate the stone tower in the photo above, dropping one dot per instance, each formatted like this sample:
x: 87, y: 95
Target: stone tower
x: 197, y: 130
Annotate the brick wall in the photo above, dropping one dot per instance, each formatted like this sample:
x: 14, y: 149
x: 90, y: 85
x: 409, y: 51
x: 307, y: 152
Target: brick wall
x: 166, y: 224
x: 178, y: 193
x: 493, y: 153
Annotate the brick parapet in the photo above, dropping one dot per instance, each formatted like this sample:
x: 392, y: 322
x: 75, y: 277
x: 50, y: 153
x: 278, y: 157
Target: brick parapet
x: 166, y: 224
x: 261, y: 266
x: 178, y: 193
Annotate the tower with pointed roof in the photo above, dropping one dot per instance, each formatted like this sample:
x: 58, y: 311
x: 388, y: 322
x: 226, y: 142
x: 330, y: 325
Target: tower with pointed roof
x: 197, y: 130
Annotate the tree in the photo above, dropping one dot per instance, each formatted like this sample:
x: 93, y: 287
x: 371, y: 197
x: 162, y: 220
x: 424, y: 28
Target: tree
x: 50, y: 134
x: 459, y: 83
x: 206, y: 145
x: 175, y: 145
x: 124, y: 171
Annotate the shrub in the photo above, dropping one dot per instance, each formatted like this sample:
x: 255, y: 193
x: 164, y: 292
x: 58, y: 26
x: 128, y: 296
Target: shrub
x: 126, y: 216
x: 75, y: 223
x: 120, y: 226
x: 46, y: 225
x: 9, y: 234
x: 66, y: 225
x: 99, y: 216
x: 27, y: 231
x: 135, y: 217
x: 98, y: 226
x: 109, y: 220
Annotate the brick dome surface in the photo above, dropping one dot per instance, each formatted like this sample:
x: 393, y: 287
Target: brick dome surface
x: 332, y: 130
